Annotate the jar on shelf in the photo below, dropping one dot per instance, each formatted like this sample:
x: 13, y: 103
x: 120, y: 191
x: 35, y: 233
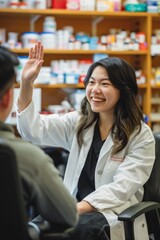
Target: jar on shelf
x: 49, y: 24
x: 40, y: 4
x: 48, y: 40
x: 29, y: 39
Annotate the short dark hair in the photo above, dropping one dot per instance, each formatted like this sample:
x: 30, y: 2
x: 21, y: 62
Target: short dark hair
x: 8, y: 62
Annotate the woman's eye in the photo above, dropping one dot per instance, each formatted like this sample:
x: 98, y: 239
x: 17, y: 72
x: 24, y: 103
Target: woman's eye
x: 91, y: 81
x: 105, y: 84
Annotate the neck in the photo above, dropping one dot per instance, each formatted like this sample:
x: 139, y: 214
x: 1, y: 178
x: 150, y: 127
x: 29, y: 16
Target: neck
x: 105, y: 125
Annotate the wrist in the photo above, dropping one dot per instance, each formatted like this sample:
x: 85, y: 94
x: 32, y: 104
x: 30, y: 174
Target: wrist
x: 26, y: 84
x: 84, y: 206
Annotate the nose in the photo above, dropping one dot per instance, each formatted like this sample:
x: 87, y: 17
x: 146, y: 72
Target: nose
x: 96, y: 88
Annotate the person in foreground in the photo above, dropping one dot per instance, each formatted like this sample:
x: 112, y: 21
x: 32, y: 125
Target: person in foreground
x: 43, y: 188
x: 112, y: 150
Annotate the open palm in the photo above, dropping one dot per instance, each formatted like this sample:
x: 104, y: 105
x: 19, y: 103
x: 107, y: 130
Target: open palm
x: 33, y: 66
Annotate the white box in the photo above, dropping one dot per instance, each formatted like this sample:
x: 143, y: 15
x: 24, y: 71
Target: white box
x: 37, y: 96
x: 87, y: 5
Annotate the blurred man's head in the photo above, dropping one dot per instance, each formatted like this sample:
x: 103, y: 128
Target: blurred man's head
x: 8, y: 62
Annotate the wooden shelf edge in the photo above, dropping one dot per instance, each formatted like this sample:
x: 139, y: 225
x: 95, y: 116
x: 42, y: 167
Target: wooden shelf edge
x: 142, y: 86
x: 63, y: 85
x: 65, y: 12
x: 85, y: 52
x: 76, y: 86
x: 155, y: 86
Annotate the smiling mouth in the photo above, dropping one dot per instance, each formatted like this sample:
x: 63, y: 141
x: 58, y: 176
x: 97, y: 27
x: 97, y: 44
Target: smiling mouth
x: 97, y: 100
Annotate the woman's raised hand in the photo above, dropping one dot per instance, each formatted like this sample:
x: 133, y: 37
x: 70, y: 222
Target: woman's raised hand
x: 33, y: 66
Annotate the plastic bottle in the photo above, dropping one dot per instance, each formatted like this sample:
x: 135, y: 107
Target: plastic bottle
x: 49, y: 24
x: 40, y: 4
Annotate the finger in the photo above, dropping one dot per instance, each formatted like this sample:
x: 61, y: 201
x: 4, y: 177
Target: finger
x: 31, y: 53
x: 39, y: 51
x: 36, y: 51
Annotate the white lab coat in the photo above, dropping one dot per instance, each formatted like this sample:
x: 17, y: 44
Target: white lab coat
x: 119, y: 179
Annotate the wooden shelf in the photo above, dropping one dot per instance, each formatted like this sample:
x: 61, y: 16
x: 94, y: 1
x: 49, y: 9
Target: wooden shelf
x: 78, y: 86
x: 84, y: 52
x: 65, y: 13
x: 56, y: 86
x: 155, y: 121
x: 92, y: 23
x: 156, y: 86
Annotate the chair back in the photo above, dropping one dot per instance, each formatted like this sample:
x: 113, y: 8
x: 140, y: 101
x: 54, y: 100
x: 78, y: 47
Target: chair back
x: 152, y: 187
x: 152, y: 192
x: 13, y: 221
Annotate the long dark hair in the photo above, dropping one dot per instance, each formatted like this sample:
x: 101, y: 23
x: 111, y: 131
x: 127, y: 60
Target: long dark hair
x: 128, y: 115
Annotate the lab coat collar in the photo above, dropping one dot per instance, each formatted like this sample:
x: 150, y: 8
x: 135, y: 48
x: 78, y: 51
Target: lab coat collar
x: 108, y: 144
x: 88, y: 137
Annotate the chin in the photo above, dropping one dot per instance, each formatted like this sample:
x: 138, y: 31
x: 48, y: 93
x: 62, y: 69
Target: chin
x: 95, y: 110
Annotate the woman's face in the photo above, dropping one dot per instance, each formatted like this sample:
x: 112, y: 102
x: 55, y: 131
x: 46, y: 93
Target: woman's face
x: 100, y: 92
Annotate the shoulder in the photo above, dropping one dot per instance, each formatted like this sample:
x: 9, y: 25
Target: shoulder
x: 27, y: 153
x: 146, y: 130
x: 144, y: 136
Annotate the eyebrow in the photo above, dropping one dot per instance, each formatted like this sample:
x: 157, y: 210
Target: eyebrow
x: 107, y: 78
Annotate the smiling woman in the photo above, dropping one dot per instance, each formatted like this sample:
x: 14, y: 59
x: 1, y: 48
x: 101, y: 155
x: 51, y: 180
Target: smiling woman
x: 106, y: 140
x: 111, y: 90
x: 101, y: 94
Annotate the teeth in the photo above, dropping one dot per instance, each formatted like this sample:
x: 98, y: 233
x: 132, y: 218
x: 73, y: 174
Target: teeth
x: 97, y: 100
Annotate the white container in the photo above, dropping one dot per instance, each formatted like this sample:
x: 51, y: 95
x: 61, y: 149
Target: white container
x: 49, y: 24
x: 87, y: 5
x: 40, y: 4
x: 30, y: 3
x: 13, y: 36
x: 44, y: 76
x: 19, y: 68
x: 73, y: 4
x: 48, y: 40
x: 4, y: 3
x: 29, y: 39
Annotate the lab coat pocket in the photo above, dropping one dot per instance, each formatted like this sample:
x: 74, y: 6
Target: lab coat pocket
x: 118, y: 159
x: 110, y: 168
x: 115, y: 161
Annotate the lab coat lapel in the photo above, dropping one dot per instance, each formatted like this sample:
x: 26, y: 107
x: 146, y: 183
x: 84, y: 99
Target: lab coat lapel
x: 88, y: 137
x: 106, y: 148
x: 74, y: 168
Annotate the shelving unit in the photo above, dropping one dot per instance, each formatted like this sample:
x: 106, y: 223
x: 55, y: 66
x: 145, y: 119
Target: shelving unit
x: 90, y: 22
x: 155, y: 88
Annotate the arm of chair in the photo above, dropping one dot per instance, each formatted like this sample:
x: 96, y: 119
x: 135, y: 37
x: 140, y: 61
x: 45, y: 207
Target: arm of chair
x: 131, y: 213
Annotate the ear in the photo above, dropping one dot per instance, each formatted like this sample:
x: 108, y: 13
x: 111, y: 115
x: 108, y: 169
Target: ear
x: 5, y: 100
